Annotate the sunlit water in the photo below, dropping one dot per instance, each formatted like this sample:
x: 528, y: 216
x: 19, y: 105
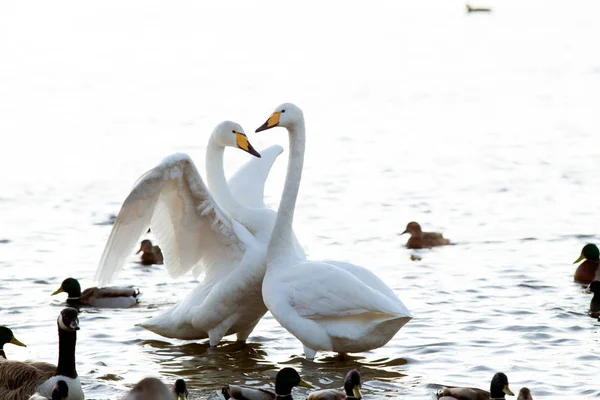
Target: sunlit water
x: 484, y: 127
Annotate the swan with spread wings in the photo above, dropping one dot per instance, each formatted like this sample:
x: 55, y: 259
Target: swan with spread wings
x: 202, y: 230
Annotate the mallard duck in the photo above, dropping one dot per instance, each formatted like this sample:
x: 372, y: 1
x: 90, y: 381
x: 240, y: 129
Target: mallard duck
x: 498, y: 389
x: 6, y: 336
x: 19, y: 380
x: 285, y: 380
x: 106, y: 297
x: 351, y: 390
x: 60, y: 391
x: 150, y: 254
x: 419, y: 239
x: 154, y: 389
x: 587, y: 270
x: 595, y: 302
x: 524, y: 394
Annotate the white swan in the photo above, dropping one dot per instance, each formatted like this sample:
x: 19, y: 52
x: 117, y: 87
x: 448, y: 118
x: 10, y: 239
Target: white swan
x: 332, y: 305
x: 197, y: 233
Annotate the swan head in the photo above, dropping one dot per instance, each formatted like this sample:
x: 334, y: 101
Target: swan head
x: 285, y: 115
x: 230, y: 134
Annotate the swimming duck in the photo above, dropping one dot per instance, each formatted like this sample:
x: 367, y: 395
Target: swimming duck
x: 106, y: 297
x: 150, y: 254
x: 524, y: 394
x: 19, y: 380
x: 351, y: 390
x: 595, y: 302
x: 498, y: 388
x: 285, y: 380
x: 587, y: 270
x: 419, y: 239
x: 60, y: 391
x: 6, y: 336
x: 154, y: 389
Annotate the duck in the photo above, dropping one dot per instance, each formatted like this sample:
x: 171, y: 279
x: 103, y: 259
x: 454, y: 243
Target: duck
x: 595, y: 302
x: 60, y: 391
x: 6, y: 336
x: 588, y: 270
x: 203, y: 229
x: 19, y: 380
x: 106, y: 297
x: 348, y: 309
x: 498, y: 389
x: 419, y: 239
x: 286, y: 379
x: 155, y: 389
x: 524, y: 394
x: 351, y: 389
x: 471, y: 9
x: 150, y: 254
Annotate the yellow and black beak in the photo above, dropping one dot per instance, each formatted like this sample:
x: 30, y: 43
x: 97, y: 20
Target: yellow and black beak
x: 242, y: 141
x: 356, y: 392
x: 305, y: 384
x: 581, y: 257
x: 507, y: 391
x: 272, y: 122
x: 59, y: 290
x: 17, y: 342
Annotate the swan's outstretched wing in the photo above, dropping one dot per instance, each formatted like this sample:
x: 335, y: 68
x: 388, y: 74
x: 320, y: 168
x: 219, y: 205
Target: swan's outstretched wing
x: 192, y: 229
x: 247, y: 185
x: 336, y: 293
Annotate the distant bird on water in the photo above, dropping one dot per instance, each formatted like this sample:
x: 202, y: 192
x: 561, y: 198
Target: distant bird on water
x: 524, y: 394
x: 419, y: 239
x: 471, y: 9
x: 106, y: 297
x: 498, y: 389
x: 150, y: 254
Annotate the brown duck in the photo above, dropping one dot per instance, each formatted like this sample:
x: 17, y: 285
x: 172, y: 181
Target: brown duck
x: 150, y: 254
x: 587, y: 270
x: 524, y: 394
x: 19, y: 380
x: 498, y: 389
x: 6, y: 336
x: 154, y: 389
x: 419, y: 239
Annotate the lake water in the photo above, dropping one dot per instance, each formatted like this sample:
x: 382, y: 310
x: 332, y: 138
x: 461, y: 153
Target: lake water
x: 484, y: 127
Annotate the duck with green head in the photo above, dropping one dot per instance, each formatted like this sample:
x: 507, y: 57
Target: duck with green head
x: 6, y: 336
x: 498, y: 389
x: 106, y: 297
x: 351, y: 390
x: 587, y: 271
x: 285, y: 380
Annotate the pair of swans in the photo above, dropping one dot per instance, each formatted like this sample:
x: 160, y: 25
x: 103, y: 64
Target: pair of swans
x: 250, y: 255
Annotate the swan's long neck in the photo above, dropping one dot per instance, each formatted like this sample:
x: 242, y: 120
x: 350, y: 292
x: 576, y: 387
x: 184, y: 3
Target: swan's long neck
x: 281, y: 243
x: 217, y: 182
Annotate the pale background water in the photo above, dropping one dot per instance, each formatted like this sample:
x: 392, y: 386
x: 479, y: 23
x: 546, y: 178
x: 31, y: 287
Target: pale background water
x: 484, y: 127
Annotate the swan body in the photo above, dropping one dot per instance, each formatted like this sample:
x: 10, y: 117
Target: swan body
x: 331, y: 305
x: 201, y: 230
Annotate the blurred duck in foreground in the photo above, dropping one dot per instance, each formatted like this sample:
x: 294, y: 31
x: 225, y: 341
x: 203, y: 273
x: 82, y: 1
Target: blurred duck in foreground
x: 6, y: 336
x: 150, y: 254
x: 107, y: 297
x: 524, y: 394
x: 498, y: 389
x: 20, y: 380
x: 419, y: 239
x: 60, y: 391
x: 587, y: 270
x: 351, y: 390
x: 285, y: 380
x: 154, y: 389
x: 595, y: 302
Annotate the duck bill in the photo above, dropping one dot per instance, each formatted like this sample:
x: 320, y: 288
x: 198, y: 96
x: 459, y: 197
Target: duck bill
x: 272, y: 122
x: 305, y: 384
x: 405, y: 231
x: 140, y: 250
x: 181, y: 396
x: 507, y: 391
x: 581, y: 257
x: 356, y: 392
x: 57, y: 291
x: 15, y: 341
